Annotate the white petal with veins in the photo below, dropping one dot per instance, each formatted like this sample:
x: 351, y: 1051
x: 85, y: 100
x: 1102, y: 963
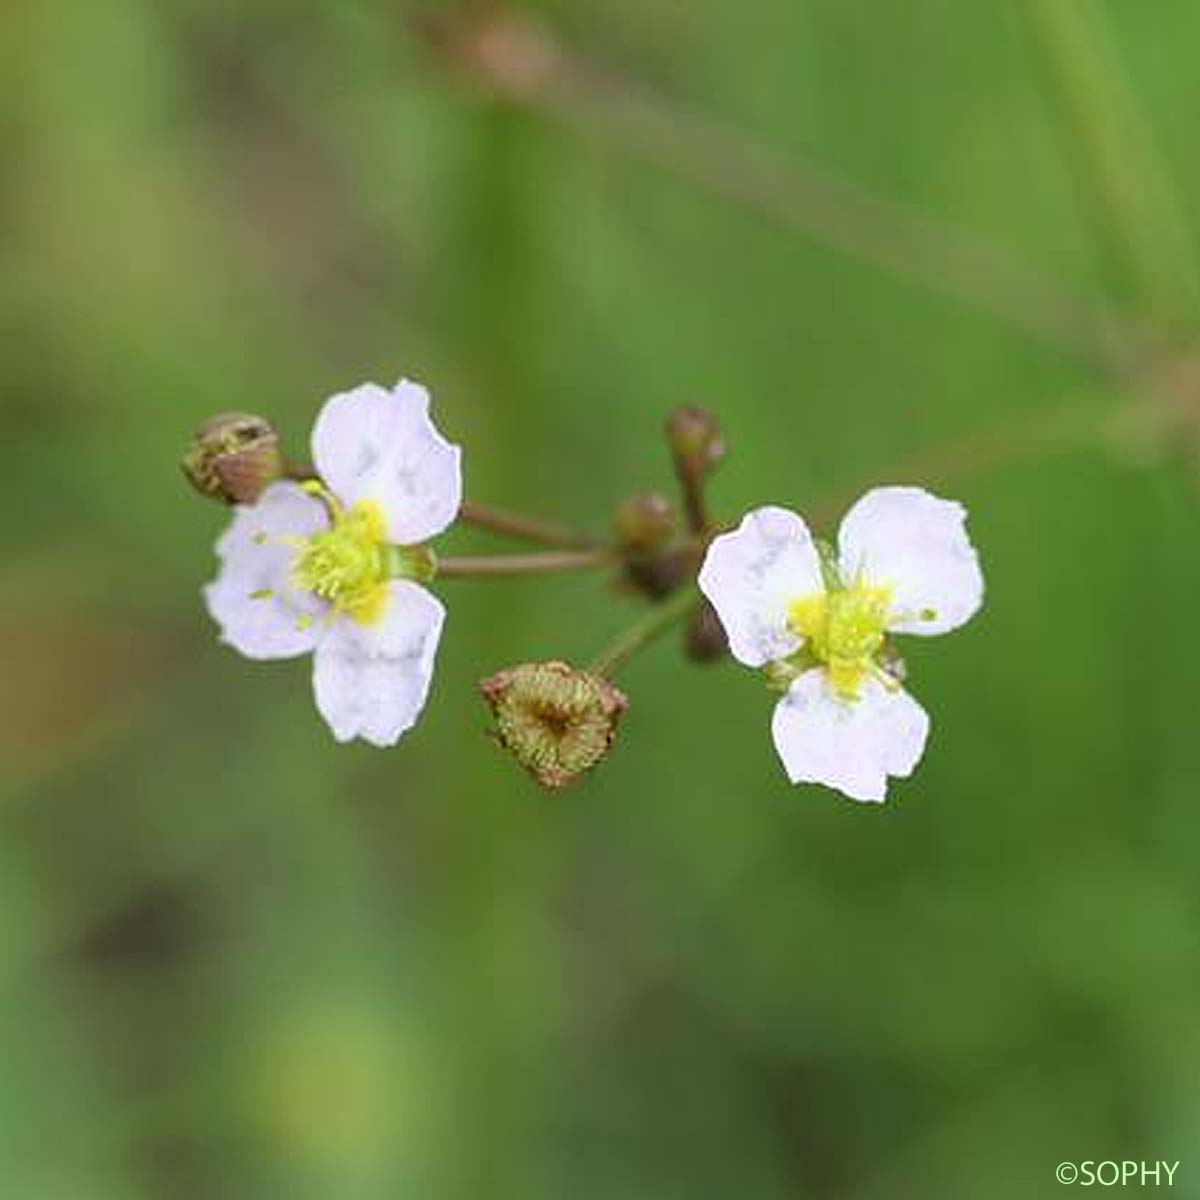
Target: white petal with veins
x: 371, y: 681
x: 260, y: 613
x: 380, y: 445
x: 916, y: 544
x: 850, y: 745
x: 753, y: 574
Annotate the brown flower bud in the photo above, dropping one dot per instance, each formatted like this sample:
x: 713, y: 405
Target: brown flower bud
x: 233, y: 458
x: 557, y: 721
x: 706, y: 641
x: 645, y: 522
x: 891, y: 662
x: 656, y: 576
x: 696, y: 441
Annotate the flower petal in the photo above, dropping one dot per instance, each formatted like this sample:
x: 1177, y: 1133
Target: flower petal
x: 916, y: 544
x: 372, y: 444
x: 753, y: 574
x: 371, y: 681
x: 850, y: 745
x: 260, y: 613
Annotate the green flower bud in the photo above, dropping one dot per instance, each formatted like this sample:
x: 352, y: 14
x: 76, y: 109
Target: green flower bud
x: 696, y: 441
x: 645, y: 522
x: 557, y: 721
x: 233, y: 458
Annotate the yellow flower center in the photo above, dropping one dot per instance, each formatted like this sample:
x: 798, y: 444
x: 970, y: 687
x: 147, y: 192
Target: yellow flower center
x: 844, y: 631
x: 345, y: 564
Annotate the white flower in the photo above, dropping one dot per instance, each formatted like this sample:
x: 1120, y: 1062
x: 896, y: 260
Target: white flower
x: 819, y: 620
x: 320, y: 567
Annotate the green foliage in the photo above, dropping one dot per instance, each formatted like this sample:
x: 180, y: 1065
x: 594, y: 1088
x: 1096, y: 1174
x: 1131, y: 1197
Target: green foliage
x: 241, y: 961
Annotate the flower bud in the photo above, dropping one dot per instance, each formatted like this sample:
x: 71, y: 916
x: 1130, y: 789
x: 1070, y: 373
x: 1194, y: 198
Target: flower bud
x: 656, y: 576
x: 233, y: 458
x: 782, y: 673
x: 557, y: 721
x: 892, y: 664
x: 696, y: 441
x: 644, y: 522
x: 706, y: 641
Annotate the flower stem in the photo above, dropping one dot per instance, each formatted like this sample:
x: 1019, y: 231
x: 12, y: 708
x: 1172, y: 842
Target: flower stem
x: 485, y: 516
x: 532, y: 529
x: 691, y: 484
x: 648, y: 628
x: 495, y: 565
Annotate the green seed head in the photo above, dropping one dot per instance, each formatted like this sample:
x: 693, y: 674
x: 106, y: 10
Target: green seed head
x: 556, y: 721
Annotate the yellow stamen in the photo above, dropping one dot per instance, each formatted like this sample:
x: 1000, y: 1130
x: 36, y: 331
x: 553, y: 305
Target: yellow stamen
x: 844, y: 631
x: 345, y: 564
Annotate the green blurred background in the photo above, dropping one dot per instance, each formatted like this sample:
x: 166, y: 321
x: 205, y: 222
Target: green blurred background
x: 240, y: 961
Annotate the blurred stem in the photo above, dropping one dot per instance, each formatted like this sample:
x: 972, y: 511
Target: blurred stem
x: 649, y: 628
x: 495, y: 565
x: 524, y: 63
x: 1124, y: 178
x: 837, y: 213
x: 1165, y: 407
x: 532, y: 529
x: 496, y: 883
x: 1071, y: 423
